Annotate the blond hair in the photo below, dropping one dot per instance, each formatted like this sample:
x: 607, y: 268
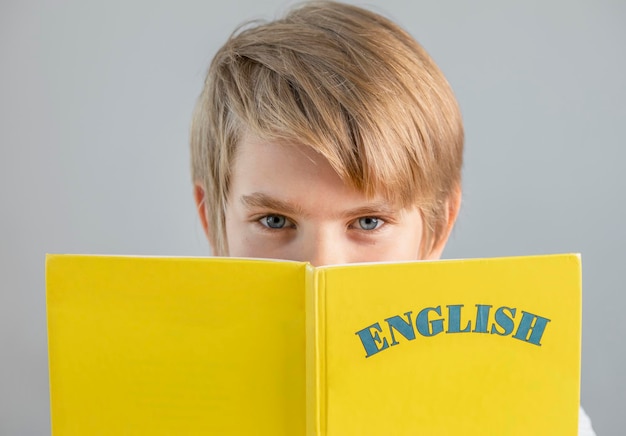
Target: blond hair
x: 345, y: 81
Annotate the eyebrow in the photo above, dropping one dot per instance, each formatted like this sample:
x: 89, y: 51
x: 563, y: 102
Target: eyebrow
x: 261, y: 200
x: 258, y: 199
x: 376, y: 208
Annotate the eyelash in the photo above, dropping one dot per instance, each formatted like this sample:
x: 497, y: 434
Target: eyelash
x: 289, y: 224
x: 379, y: 223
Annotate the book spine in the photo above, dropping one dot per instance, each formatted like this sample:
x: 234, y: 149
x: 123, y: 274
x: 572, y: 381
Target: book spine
x: 315, y: 353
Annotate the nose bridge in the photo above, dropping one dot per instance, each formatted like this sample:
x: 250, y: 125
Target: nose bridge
x: 324, y: 247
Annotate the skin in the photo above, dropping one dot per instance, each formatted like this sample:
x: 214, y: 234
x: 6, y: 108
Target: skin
x: 286, y: 202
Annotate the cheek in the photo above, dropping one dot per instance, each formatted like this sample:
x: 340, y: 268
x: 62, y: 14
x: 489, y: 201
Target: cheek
x: 235, y: 234
x: 244, y: 241
x: 406, y: 244
x: 255, y: 248
x: 402, y: 245
x: 406, y: 251
x: 241, y: 247
x: 240, y: 244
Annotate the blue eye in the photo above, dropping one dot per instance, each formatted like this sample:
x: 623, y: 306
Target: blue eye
x: 274, y: 221
x: 369, y: 223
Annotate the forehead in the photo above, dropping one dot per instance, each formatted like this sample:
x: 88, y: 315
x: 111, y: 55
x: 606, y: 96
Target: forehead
x: 291, y: 172
x: 268, y: 159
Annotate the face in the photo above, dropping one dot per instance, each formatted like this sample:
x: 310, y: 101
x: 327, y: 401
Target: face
x: 286, y: 202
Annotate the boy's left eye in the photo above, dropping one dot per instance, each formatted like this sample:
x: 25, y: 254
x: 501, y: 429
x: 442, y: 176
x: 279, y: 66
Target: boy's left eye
x: 369, y: 223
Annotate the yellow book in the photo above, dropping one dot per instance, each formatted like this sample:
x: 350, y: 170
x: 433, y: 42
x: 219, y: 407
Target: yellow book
x: 190, y: 346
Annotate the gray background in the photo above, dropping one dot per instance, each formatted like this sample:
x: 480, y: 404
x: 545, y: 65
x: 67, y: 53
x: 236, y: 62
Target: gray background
x: 95, y: 105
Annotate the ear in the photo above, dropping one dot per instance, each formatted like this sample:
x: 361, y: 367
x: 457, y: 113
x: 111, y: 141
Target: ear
x: 453, y: 205
x: 199, y: 195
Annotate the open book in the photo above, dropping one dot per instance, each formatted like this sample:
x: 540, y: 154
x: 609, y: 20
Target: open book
x: 185, y: 346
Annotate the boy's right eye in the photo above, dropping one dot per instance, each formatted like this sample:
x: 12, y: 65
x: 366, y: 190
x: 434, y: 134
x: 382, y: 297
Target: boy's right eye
x: 275, y: 222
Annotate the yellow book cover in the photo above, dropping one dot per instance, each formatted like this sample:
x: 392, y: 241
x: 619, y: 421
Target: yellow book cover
x: 186, y: 346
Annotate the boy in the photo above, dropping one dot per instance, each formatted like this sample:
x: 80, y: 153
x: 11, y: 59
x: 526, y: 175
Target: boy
x: 329, y: 136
